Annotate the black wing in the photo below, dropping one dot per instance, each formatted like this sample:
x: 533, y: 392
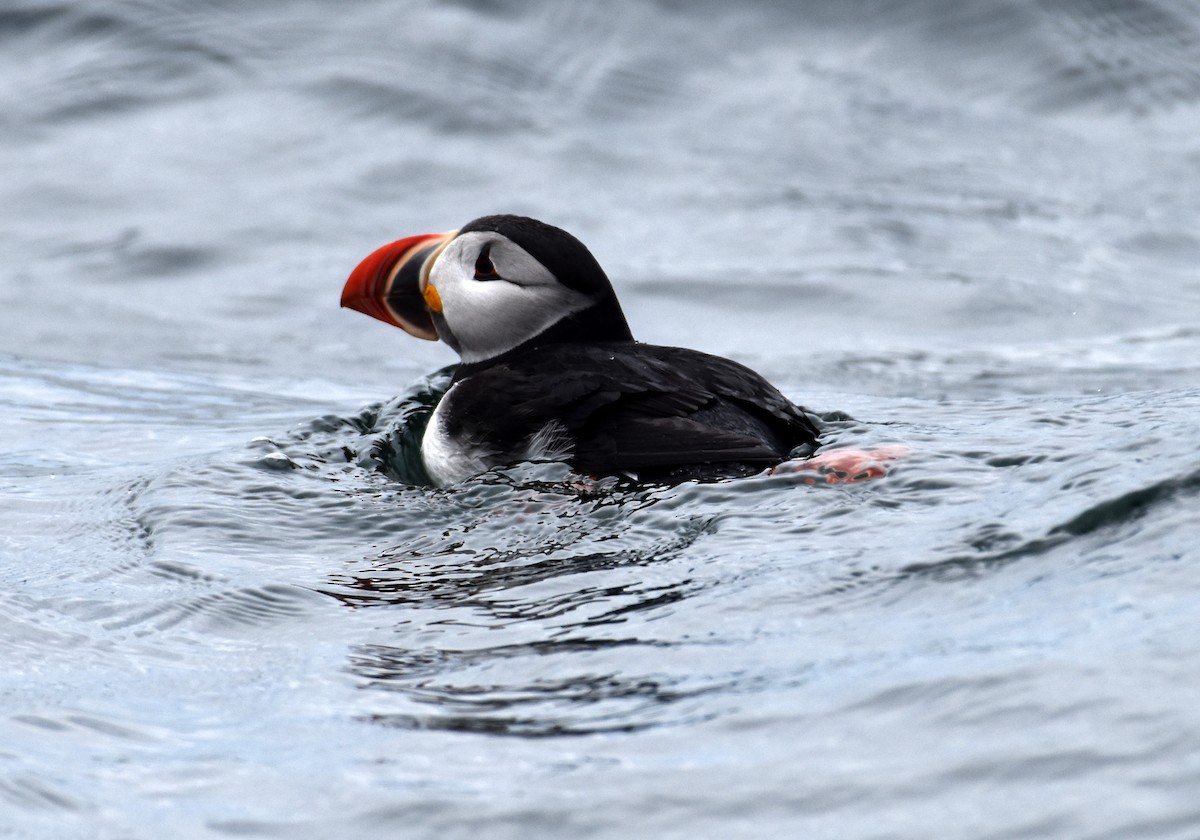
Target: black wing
x: 636, y: 407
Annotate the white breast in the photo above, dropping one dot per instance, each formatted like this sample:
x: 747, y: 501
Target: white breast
x: 450, y: 461
x: 446, y: 460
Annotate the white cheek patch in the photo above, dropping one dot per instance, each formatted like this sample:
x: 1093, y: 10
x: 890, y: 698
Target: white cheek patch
x: 490, y: 317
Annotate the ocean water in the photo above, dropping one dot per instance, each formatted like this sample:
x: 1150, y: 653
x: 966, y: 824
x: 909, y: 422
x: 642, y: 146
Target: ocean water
x: 228, y: 608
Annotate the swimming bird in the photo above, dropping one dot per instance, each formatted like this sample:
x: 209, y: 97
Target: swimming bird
x: 551, y: 371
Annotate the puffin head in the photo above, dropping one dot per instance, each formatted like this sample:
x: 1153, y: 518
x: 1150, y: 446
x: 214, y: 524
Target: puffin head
x: 496, y: 284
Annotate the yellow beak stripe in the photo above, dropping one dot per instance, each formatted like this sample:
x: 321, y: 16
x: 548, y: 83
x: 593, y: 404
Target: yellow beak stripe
x: 432, y: 299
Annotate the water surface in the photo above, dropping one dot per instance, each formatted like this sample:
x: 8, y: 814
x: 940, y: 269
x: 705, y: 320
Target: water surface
x: 229, y: 608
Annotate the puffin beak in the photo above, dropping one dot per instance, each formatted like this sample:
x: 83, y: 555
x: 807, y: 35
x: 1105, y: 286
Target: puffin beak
x: 392, y: 284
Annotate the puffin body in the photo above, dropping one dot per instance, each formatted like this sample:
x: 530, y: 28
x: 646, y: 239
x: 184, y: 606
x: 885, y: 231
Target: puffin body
x: 550, y: 370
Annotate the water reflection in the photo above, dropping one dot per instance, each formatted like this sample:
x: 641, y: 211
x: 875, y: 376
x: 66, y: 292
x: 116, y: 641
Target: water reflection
x: 530, y: 689
x: 546, y: 539
x: 526, y: 608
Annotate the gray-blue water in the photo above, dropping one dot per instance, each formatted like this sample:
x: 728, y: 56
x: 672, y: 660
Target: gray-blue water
x: 974, y: 227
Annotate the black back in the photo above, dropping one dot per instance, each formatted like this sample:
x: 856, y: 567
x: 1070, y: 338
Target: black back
x: 658, y: 412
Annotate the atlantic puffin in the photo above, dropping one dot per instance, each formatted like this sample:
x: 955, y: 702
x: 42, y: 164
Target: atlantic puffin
x: 551, y: 371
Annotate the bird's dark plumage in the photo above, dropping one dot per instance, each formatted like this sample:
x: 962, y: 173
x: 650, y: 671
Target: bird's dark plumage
x: 656, y: 412
x: 551, y: 370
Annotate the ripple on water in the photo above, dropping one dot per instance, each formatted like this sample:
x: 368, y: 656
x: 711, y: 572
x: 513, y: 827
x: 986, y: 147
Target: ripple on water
x: 532, y: 602
x: 572, y: 686
x: 524, y: 594
x: 529, y: 603
x: 971, y: 225
x: 39, y: 795
x: 120, y: 59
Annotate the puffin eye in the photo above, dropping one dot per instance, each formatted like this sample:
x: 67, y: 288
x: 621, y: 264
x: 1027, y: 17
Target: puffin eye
x: 485, y: 269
